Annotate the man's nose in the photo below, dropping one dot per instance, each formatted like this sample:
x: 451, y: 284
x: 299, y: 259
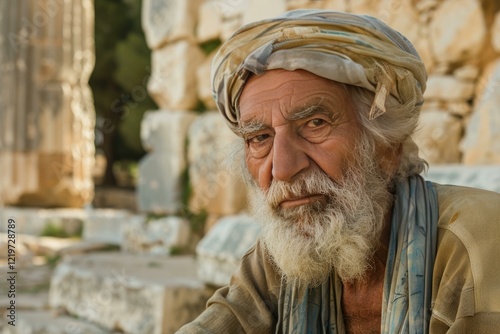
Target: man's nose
x: 289, y: 158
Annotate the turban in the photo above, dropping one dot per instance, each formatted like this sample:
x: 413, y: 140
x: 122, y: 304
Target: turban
x: 358, y: 50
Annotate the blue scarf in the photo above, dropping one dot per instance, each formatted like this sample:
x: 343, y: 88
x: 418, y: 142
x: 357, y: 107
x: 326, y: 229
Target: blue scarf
x: 406, y: 303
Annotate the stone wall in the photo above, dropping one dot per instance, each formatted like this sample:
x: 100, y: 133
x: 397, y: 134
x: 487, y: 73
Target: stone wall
x: 46, y: 109
x: 458, y: 40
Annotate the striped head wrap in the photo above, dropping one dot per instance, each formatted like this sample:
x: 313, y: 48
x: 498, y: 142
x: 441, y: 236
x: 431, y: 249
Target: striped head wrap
x: 358, y: 50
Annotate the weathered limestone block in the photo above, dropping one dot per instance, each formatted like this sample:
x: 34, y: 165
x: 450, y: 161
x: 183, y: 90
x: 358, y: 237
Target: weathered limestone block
x: 482, y: 177
x: 166, y: 130
x: 33, y: 301
x: 495, y: 33
x: 457, y: 31
x: 159, y: 187
x: 448, y: 87
x: 34, y: 221
x: 219, y: 253
x: 458, y: 108
x: 254, y: 11
x: 32, y: 274
x: 158, y: 236
x: 174, y: 75
x: 402, y: 16
x: 204, y: 84
x: 47, y: 119
x: 229, y: 26
x: 164, y: 21
x: 24, y: 255
x: 136, y: 293
x: 211, y: 221
x: 439, y: 136
x: 105, y: 225
x: 467, y: 73
x: 363, y: 7
x: 423, y: 47
x: 56, y: 246
x: 481, y: 144
x: 405, y: 17
x: 43, y: 322
x: 301, y: 4
x: 231, y: 8
x: 338, y: 5
x: 215, y: 190
x: 209, y: 22
x: 424, y: 6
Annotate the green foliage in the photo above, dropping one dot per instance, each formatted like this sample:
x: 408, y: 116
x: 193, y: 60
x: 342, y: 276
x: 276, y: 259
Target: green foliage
x: 186, y: 189
x: 200, y: 107
x: 52, y: 260
x: 210, y: 46
x: 133, y: 64
x: 196, y: 221
x: 120, y: 77
x: 53, y: 229
x: 110, y: 248
x: 127, y: 172
x: 129, y: 131
x: 154, y: 216
x: 176, y: 250
x: 154, y: 264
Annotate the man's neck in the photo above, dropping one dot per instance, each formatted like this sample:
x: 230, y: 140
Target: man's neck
x: 362, y: 299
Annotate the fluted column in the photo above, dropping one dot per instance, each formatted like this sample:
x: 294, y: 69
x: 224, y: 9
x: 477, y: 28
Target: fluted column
x: 46, y: 108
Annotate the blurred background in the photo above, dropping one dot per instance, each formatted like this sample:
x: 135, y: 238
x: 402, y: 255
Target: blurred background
x: 111, y: 146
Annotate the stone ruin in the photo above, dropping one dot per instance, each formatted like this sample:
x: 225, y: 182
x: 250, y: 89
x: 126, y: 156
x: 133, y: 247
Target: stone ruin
x: 459, y: 130
x: 47, y: 114
x: 46, y: 146
x: 47, y: 117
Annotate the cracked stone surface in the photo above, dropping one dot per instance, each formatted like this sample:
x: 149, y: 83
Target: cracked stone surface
x: 136, y: 294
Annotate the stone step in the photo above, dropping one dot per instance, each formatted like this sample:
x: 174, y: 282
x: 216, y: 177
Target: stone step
x: 94, y: 225
x: 31, y: 245
x: 37, y: 301
x: 157, y: 236
x: 219, y: 253
x: 133, y: 293
x: 31, y: 276
x: 35, y: 221
x: 48, y: 322
x: 484, y: 177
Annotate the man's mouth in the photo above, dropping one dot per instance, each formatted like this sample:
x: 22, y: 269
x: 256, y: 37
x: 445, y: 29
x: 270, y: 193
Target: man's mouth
x: 302, y: 200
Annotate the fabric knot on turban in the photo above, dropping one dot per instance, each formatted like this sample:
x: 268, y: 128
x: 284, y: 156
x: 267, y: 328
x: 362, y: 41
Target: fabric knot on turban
x: 358, y: 50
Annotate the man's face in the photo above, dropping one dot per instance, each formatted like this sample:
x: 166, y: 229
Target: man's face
x: 318, y: 190
x: 294, y: 121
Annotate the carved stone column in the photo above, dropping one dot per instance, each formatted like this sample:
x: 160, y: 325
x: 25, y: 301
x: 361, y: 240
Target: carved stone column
x: 46, y: 108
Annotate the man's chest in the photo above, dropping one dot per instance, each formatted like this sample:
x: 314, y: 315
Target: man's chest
x: 362, y: 309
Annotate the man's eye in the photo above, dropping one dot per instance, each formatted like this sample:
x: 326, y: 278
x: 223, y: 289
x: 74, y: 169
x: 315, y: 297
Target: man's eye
x: 258, y: 138
x: 259, y: 145
x: 315, y: 123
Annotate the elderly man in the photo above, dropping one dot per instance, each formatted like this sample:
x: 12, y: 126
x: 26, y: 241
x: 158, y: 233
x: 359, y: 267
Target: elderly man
x: 353, y: 239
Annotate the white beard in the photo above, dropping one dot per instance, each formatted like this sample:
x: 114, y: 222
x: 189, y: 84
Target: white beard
x: 308, y: 242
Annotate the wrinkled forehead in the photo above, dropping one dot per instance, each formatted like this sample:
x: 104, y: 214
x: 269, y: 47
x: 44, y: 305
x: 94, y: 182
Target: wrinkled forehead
x: 292, y: 95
